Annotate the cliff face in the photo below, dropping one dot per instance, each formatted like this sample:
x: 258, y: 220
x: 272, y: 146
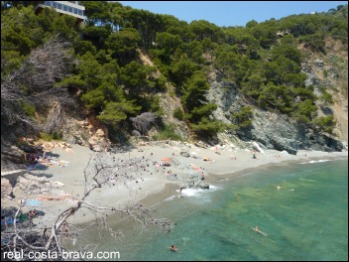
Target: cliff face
x: 325, y: 71
x: 279, y: 132
x: 330, y: 72
x: 274, y: 131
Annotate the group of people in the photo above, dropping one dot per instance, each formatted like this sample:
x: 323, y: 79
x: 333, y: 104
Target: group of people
x: 32, y: 158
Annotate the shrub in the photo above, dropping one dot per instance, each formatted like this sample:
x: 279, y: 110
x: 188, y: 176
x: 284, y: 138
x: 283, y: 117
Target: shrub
x: 28, y: 109
x: 55, y: 135
x: 178, y: 113
x: 168, y: 133
x: 325, y: 123
x: 243, y: 118
x: 45, y: 136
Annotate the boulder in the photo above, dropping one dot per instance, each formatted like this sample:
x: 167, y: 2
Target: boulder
x: 185, y: 154
x: 98, y: 142
x: 99, y: 133
x: 203, y: 185
x: 13, y: 154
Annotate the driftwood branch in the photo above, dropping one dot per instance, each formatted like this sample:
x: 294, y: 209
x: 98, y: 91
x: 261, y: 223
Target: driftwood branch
x: 102, y: 169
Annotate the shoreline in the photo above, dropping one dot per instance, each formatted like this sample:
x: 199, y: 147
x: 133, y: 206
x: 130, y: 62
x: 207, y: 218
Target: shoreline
x: 284, y: 162
x: 158, y: 183
x: 230, y: 176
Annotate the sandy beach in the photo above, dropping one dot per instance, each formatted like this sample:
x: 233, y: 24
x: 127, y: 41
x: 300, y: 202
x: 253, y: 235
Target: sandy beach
x: 168, y: 171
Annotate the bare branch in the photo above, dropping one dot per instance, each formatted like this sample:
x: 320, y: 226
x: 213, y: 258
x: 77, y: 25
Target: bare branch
x: 33, y: 84
x: 102, y: 170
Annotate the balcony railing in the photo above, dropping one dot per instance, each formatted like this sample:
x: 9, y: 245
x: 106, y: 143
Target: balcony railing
x: 65, y: 7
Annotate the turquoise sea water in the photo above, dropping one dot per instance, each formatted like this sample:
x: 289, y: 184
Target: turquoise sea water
x: 302, y: 208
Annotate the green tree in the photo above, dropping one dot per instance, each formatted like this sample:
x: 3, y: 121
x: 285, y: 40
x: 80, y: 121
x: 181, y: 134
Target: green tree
x: 305, y: 111
x: 181, y: 70
x: 134, y: 79
x: 90, y: 71
x: 168, y: 42
x: 326, y: 98
x: 252, y: 86
x: 325, y: 124
x: 115, y: 112
x: 146, y: 23
x: 203, y: 29
x: 227, y: 61
x: 207, y: 127
x: 243, y: 118
x: 123, y: 44
x: 251, y: 24
x: 277, y: 97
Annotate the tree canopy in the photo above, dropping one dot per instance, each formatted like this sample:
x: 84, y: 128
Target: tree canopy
x: 110, y: 79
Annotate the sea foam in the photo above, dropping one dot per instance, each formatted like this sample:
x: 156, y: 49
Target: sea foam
x: 318, y: 161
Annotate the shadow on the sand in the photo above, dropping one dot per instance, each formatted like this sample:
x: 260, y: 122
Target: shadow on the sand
x: 41, y: 175
x: 37, y: 166
x: 50, y: 155
x: 121, y: 148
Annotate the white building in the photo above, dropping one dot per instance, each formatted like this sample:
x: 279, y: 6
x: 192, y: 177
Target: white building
x: 65, y: 7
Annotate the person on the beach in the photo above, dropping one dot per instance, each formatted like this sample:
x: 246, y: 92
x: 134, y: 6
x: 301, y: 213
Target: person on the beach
x: 31, y: 215
x: 66, y: 229
x: 173, y: 248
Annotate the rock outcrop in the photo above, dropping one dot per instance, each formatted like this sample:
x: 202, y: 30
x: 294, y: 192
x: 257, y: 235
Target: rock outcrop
x: 99, y: 142
x: 275, y: 131
x: 330, y: 72
x: 12, y: 158
x: 272, y: 130
x: 85, y: 133
x: 6, y: 188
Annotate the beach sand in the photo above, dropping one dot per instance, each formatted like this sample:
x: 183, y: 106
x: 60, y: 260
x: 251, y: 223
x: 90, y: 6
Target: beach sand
x: 157, y: 183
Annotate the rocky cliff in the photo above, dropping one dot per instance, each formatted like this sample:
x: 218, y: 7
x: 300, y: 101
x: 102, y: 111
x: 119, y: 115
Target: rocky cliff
x: 329, y: 71
x: 272, y: 130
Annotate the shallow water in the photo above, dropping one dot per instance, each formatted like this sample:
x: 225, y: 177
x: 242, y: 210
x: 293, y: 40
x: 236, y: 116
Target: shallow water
x: 303, y: 209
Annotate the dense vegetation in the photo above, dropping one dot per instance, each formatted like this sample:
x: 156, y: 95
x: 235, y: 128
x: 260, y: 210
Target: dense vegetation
x: 102, y: 66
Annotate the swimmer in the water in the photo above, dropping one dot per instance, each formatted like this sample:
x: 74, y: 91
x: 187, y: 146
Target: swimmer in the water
x: 173, y: 248
x: 256, y: 229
